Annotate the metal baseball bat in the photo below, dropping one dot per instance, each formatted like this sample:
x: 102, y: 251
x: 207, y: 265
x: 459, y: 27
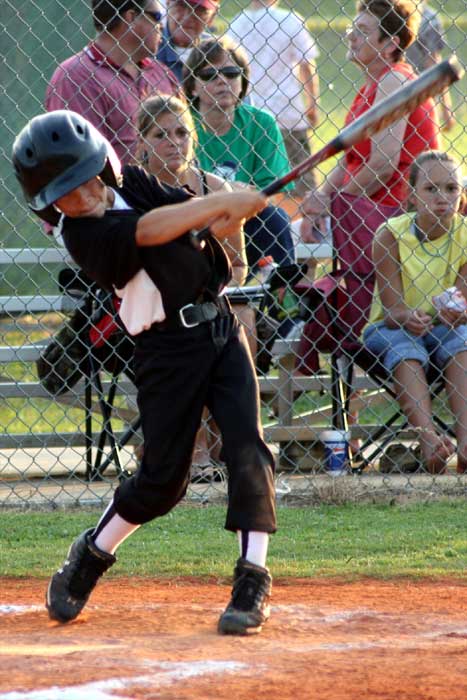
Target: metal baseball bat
x: 403, y: 101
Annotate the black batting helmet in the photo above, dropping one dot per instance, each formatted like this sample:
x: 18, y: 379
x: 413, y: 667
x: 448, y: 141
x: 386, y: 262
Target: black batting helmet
x: 57, y: 152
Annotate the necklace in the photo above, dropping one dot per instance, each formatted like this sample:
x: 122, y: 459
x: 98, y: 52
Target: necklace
x: 441, y: 252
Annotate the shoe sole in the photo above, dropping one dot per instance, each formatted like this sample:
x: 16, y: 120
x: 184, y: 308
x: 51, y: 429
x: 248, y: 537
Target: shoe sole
x: 229, y: 625
x: 238, y: 630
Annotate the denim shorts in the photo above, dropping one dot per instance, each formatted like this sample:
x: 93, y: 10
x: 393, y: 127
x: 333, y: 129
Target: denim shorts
x: 392, y: 346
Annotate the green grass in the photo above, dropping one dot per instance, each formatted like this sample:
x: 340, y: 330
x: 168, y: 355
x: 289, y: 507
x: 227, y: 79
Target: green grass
x: 346, y: 541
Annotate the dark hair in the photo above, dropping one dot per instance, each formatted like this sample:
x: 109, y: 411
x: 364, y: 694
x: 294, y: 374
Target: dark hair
x: 107, y: 14
x: 156, y: 106
x: 209, y: 52
x: 422, y: 158
x: 397, y: 18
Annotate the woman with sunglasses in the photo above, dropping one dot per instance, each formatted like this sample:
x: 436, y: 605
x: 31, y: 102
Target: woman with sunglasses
x: 237, y: 141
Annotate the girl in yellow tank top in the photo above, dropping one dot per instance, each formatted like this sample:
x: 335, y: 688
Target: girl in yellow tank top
x: 418, y: 256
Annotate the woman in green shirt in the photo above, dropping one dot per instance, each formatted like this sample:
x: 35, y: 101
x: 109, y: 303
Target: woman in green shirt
x: 238, y: 142
x: 416, y: 320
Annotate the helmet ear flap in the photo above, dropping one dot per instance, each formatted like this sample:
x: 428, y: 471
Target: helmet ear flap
x: 50, y: 215
x: 112, y: 173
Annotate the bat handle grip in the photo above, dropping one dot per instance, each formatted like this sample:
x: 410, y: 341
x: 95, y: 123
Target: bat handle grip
x: 197, y: 237
x: 273, y: 188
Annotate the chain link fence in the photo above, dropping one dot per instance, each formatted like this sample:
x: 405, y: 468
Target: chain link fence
x: 238, y: 95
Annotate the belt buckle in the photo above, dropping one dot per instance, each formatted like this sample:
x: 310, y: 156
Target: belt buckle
x: 181, y: 313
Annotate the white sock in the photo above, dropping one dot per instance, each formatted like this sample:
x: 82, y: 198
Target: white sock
x: 253, y: 546
x: 114, y: 533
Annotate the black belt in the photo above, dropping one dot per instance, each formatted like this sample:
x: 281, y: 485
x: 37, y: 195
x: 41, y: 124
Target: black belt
x: 192, y: 315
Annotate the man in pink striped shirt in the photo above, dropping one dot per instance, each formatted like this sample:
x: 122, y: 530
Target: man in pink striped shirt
x: 106, y: 81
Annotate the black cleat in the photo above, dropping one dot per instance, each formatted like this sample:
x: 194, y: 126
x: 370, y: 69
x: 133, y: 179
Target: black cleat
x: 248, y: 608
x: 71, y: 586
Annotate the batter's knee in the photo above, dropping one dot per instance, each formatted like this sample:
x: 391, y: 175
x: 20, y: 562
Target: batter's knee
x: 141, y: 499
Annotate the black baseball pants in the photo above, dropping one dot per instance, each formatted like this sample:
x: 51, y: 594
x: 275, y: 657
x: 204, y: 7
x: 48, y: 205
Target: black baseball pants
x: 178, y: 372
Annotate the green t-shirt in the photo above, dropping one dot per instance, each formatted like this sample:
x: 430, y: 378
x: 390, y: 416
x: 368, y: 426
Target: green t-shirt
x: 252, y: 151
x: 426, y: 269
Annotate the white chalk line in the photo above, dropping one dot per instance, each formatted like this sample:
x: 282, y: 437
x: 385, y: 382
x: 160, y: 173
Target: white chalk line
x: 167, y: 673
x: 413, y: 641
x: 19, y: 609
x: 317, y: 615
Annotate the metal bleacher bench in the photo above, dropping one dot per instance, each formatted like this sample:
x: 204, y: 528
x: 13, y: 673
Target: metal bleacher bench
x: 282, y: 388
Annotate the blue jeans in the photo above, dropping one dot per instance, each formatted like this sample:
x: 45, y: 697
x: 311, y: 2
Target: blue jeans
x: 392, y: 346
x: 269, y: 234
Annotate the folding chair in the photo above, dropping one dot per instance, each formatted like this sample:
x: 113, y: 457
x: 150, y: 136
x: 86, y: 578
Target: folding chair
x: 338, y: 305
x: 332, y: 314
x: 95, y: 468
x: 346, y: 353
x: 356, y: 355
x: 110, y: 349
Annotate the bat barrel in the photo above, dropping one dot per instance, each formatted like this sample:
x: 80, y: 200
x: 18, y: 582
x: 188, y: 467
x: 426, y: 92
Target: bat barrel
x: 413, y: 93
x: 431, y: 82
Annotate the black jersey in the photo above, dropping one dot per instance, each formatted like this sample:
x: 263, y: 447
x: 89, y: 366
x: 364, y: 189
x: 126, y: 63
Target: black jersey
x: 105, y: 248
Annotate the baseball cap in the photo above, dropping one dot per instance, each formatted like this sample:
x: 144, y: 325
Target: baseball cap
x: 207, y: 4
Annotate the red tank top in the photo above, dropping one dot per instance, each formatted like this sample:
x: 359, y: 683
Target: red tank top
x: 421, y: 134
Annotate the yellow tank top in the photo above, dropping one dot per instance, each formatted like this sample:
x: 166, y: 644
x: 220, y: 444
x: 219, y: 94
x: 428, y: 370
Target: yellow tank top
x: 428, y: 267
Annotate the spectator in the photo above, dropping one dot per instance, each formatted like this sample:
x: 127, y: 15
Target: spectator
x: 426, y: 52
x: 283, y: 74
x: 187, y: 23
x: 417, y: 257
x: 106, y: 81
x: 368, y: 184
x: 238, y: 142
x: 166, y: 149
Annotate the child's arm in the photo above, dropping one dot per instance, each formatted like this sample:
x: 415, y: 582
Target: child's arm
x: 461, y: 281
x: 451, y: 317
x: 222, y: 212
x: 234, y: 245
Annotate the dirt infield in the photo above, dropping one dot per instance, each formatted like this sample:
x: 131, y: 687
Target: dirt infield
x: 400, y: 640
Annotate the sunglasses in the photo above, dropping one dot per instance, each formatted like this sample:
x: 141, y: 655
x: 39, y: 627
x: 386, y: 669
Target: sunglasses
x: 154, y: 15
x: 230, y: 72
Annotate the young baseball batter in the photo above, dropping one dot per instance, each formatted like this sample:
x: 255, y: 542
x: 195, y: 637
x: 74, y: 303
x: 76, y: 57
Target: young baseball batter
x: 130, y: 232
